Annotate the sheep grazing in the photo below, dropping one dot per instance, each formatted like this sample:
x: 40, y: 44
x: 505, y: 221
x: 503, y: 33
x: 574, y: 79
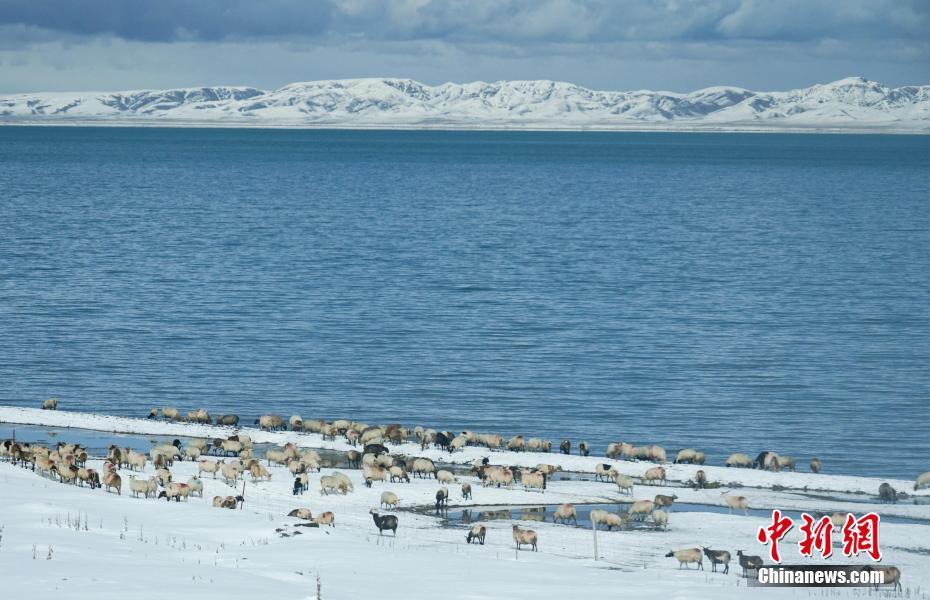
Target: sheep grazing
x: 584, y: 448
x: 301, y: 513
x: 90, y: 476
x: 195, y: 485
x: 718, y: 557
x: 534, y: 444
x: 328, y: 484
x: 231, y: 447
x: 50, y: 404
x: 892, y: 575
x: 767, y: 460
x: 466, y: 491
x: 786, y: 463
x: 654, y: 474
x: 270, y: 422
x: 736, y: 502
x: 604, y: 471
x: 739, y: 460
x: 685, y: 456
x: 565, y: 447
x: 699, y: 458
x: 259, y: 472
x: 549, y: 470
x: 700, y: 479
x: 660, y: 519
x: 498, y: 476
x: 389, y: 500
x: 663, y: 501
x: 344, y: 480
x: 816, y: 465
x: 229, y: 420
x: 624, y: 483
x: 176, y: 491
x: 477, y: 533
x: 444, y: 476
x: 170, y: 413
x: 296, y: 423
x: 457, y: 443
x: 207, y: 466
x: 565, y: 512
x: 442, y: 498
x: 230, y: 472
x: 384, y: 522
x: 923, y: 480
x: 533, y: 480
x: 748, y: 562
x: 516, y: 444
x: 608, y: 519
x: 525, y: 537
x: 143, y: 486
x: 112, y: 480
x: 327, y: 518
x: 136, y: 460
x: 423, y: 467
x: 229, y: 502
x: 192, y: 452
x: 887, y: 494
x: 641, y: 509
x: 614, y: 450
x: 398, y: 473
x: 374, y: 473
x: 687, y: 556
x: 354, y: 457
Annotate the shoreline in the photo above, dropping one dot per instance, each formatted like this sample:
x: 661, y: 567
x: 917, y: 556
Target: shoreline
x: 465, y: 127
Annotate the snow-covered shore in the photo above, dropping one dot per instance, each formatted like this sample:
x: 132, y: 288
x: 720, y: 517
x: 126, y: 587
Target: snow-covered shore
x: 126, y: 545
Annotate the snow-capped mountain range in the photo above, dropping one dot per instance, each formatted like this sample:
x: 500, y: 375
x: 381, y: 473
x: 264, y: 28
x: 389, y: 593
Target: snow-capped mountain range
x: 852, y: 104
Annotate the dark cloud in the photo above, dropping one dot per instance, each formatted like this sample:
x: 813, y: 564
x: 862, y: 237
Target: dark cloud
x: 457, y: 21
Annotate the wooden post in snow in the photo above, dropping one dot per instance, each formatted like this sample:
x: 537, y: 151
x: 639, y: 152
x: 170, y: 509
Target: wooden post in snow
x: 594, y: 533
x: 241, y: 504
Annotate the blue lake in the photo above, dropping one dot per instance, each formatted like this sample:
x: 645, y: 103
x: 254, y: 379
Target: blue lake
x: 728, y: 292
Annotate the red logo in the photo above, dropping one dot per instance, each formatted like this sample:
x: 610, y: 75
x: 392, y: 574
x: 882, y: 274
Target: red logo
x: 859, y: 535
x: 773, y: 533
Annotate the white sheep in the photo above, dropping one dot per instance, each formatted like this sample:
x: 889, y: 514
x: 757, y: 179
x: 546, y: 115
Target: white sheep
x: 444, y: 476
x: 259, y: 472
x: 736, y: 502
x: 624, y: 483
x: 328, y: 484
x: 654, y: 474
x: 195, y: 485
x: 923, y: 480
x: 688, y: 556
x: 525, y: 537
x: 739, y: 460
x: 533, y: 480
x: 660, y: 518
x: 608, y: 519
x: 389, y: 500
x: 207, y: 466
x: 604, y: 471
x: 565, y: 512
x: 143, y: 486
x: 642, y: 509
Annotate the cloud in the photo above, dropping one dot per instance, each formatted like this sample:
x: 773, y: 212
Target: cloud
x: 457, y: 21
x: 607, y: 44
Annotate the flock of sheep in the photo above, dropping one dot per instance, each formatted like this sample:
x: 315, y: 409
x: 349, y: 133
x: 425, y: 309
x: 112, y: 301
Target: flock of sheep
x: 233, y: 458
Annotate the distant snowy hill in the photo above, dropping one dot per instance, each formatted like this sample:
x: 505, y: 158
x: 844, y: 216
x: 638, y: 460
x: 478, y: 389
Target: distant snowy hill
x: 852, y: 104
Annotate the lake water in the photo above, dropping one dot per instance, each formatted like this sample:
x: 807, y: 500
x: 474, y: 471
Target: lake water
x: 727, y: 292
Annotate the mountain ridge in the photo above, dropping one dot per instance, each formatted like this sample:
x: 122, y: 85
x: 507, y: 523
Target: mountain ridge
x: 852, y: 104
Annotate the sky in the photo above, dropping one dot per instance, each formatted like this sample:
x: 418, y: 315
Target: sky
x: 674, y: 45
